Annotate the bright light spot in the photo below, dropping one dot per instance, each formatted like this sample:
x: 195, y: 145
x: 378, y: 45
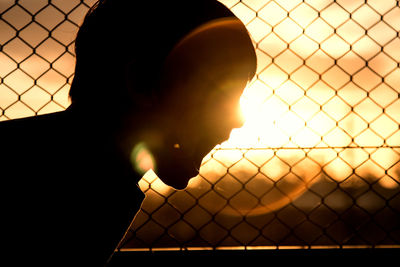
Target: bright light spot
x: 271, y: 123
x: 141, y: 159
x: 268, y: 121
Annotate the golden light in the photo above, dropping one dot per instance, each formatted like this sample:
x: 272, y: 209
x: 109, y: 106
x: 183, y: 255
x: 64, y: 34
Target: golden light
x: 323, y: 109
x: 324, y: 103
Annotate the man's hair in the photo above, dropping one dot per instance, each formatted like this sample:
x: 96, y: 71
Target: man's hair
x: 117, y: 32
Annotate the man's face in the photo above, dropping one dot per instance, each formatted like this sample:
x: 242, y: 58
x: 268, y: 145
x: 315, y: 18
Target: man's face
x: 205, y: 75
x: 197, y: 130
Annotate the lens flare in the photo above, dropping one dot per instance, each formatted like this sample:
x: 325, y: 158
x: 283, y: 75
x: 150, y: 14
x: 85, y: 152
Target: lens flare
x: 315, y: 111
x: 141, y: 159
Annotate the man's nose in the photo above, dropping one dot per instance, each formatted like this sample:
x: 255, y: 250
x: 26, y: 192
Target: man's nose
x: 240, y: 122
x: 238, y: 119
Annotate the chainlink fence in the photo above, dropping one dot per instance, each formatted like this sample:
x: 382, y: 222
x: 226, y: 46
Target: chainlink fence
x: 317, y: 162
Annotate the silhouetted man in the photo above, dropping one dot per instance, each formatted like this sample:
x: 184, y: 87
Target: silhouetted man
x: 166, y: 74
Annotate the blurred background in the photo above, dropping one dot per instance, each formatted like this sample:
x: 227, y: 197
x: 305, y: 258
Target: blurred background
x: 317, y: 162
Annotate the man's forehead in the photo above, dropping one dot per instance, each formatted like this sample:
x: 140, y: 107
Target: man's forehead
x: 217, y: 51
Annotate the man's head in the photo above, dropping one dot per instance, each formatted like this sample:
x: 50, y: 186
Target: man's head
x: 179, y: 68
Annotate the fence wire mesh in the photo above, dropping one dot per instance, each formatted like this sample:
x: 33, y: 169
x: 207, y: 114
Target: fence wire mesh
x: 317, y: 162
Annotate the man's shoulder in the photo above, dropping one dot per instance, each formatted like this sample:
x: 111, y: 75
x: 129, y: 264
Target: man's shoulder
x: 33, y: 119
x: 32, y: 133
x: 31, y: 125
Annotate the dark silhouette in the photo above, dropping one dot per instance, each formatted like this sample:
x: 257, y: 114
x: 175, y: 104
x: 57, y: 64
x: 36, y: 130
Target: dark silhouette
x: 167, y: 74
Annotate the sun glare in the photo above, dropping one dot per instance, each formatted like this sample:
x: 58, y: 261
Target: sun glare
x: 325, y: 102
x: 273, y: 123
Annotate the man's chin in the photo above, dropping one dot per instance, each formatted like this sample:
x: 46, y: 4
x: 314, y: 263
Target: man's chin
x: 180, y: 186
x: 178, y: 180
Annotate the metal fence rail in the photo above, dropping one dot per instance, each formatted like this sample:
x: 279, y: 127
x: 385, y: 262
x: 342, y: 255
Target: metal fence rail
x: 317, y: 162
